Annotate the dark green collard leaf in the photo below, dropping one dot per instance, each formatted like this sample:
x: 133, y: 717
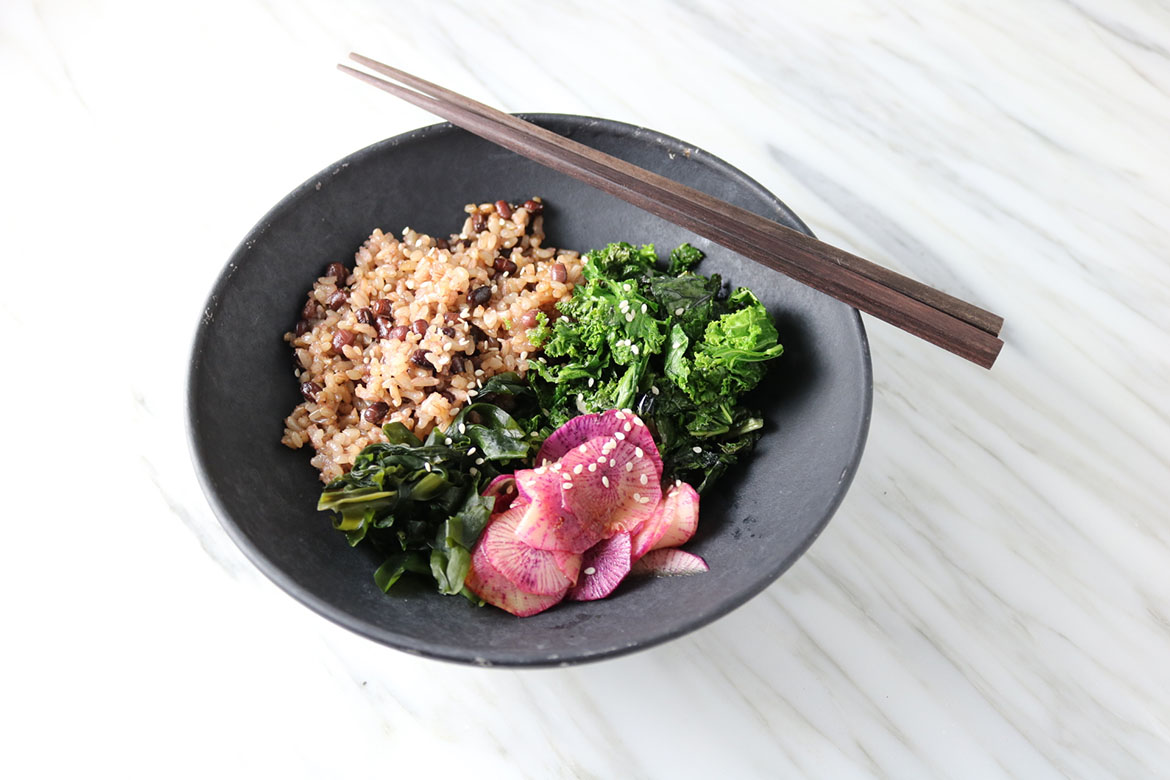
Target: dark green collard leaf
x: 683, y: 258
x: 417, y: 498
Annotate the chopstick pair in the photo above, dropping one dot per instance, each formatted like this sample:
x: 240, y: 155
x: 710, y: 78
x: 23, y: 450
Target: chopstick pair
x: 941, y: 319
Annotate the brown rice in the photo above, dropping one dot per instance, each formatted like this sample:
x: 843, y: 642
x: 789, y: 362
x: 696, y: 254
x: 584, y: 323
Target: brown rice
x: 425, y: 375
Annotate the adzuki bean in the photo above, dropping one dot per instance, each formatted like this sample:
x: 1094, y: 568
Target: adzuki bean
x: 375, y: 412
x: 504, y: 209
x: 309, y: 390
x: 338, y: 271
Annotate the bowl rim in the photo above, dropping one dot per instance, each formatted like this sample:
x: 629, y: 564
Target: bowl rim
x: 453, y: 652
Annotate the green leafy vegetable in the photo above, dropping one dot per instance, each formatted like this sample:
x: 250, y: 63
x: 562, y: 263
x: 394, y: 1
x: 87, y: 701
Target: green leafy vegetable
x: 672, y: 345
x: 419, y: 502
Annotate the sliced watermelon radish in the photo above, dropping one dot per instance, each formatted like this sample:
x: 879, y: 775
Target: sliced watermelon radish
x: 569, y: 564
x: 608, y: 487
x: 604, y: 566
x: 493, y: 587
x: 673, y: 522
x: 531, y: 570
x: 668, y: 562
x: 621, y: 423
x: 545, y: 524
x: 503, y: 489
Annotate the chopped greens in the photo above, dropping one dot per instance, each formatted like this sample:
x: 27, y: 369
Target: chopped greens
x: 419, y: 502
x: 671, y: 345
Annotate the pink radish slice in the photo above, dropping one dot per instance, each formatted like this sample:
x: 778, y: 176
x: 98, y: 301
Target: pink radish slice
x: 569, y: 564
x: 531, y: 570
x: 581, y: 429
x: 546, y: 526
x: 608, y: 487
x: 493, y: 587
x: 503, y: 489
x: 673, y: 523
x: 604, y: 566
x: 668, y: 562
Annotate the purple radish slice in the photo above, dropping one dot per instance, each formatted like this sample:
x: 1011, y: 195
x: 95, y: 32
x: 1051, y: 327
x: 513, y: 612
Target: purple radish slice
x: 581, y: 429
x: 604, y: 566
x: 503, y: 489
x: 531, y: 570
x: 493, y: 587
x: 608, y: 488
x: 668, y: 562
x: 673, y: 523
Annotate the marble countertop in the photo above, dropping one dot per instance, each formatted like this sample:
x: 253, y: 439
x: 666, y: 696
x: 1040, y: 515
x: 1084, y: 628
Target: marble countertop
x: 992, y: 598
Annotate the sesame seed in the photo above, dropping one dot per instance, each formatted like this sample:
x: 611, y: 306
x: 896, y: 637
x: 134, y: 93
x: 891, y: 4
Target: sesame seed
x: 620, y: 414
x: 582, y: 449
x: 463, y: 429
x: 590, y: 571
x: 471, y: 451
x: 628, y: 427
x: 619, y: 435
x: 427, y: 466
x: 555, y: 467
x: 601, y: 458
x: 591, y: 380
x: 593, y: 467
x: 578, y: 469
x: 567, y: 486
x: 447, y: 441
x: 473, y: 471
x: 642, y: 479
x: 605, y: 480
x: 697, y: 450
x: 472, y: 393
x: 630, y: 317
x: 638, y: 452
x: 638, y: 421
x: 643, y: 308
x: 638, y: 497
x: 654, y: 389
x: 479, y: 372
x: 612, y: 463
x: 540, y: 469
x: 479, y: 461
x: 634, y: 349
x: 627, y: 287
x: 629, y: 465
x: 678, y: 312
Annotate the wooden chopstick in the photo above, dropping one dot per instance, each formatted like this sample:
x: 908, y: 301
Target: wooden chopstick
x: 941, y: 319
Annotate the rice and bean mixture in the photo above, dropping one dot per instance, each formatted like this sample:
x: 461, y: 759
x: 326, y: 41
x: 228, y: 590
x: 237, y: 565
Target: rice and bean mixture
x: 417, y: 325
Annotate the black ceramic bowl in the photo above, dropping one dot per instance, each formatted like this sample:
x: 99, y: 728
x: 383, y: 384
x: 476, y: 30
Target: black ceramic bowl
x: 816, y: 398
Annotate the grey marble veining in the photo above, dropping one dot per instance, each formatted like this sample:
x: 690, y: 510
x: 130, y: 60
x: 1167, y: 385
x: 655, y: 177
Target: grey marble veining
x: 992, y: 598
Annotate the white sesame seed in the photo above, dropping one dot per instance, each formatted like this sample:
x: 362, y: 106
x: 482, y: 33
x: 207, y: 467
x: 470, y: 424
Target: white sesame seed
x: 620, y: 414
x: 555, y: 467
x: 638, y: 452
x: 619, y: 435
x: 578, y: 469
x: 463, y: 429
x: 591, y: 380
x: 638, y: 421
x: 678, y: 312
x: 634, y: 349
x: 523, y: 355
x: 630, y: 317
x: 593, y: 467
x: 582, y: 449
x: 479, y: 372
x: 567, y: 486
x: 642, y: 479
x: 472, y: 393
x: 590, y: 571
x: 629, y: 465
x: 628, y: 427
x: 427, y: 466
x: 605, y: 480
x: 473, y: 471
x: 697, y: 449
x: 627, y: 287
x: 447, y: 441
x: 471, y: 451
x: 479, y: 461
x: 601, y: 458
x: 644, y: 308
x: 540, y: 469
x: 638, y: 497
x: 654, y: 389
x: 612, y: 463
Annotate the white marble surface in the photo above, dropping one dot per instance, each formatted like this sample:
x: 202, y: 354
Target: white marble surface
x: 993, y: 597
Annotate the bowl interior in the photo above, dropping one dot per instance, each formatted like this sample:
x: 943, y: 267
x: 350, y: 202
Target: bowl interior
x: 816, y: 398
